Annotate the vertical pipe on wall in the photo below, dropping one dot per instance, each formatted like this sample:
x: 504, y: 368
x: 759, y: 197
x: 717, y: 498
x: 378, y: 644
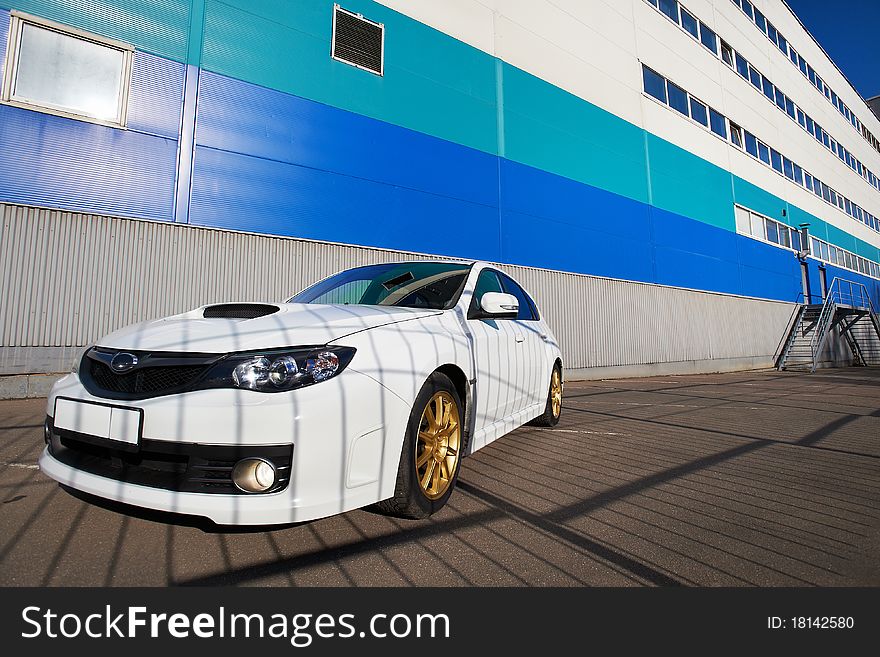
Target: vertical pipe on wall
x: 186, y: 142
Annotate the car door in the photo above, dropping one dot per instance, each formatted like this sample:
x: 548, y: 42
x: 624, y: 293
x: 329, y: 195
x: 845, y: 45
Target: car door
x: 530, y: 363
x: 495, y: 347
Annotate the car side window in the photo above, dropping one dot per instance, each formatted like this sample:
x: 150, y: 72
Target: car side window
x: 486, y: 282
x: 526, y: 305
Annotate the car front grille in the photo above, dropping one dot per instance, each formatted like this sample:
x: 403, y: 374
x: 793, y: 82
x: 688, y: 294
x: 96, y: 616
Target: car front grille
x: 154, y: 373
x: 145, y: 380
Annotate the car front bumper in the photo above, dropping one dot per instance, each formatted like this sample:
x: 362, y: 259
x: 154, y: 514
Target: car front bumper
x: 345, y: 435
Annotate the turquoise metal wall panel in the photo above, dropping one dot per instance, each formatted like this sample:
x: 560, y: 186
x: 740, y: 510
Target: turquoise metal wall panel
x: 158, y: 26
x: 685, y: 184
x: 290, y: 52
x: 551, y: 129
x: 759, y: 200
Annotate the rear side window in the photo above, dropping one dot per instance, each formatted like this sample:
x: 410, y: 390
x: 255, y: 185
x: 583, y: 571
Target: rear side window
x: 527, y: 309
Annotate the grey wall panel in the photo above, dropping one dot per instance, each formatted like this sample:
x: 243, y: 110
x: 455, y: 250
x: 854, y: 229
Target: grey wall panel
x: 70, y: 278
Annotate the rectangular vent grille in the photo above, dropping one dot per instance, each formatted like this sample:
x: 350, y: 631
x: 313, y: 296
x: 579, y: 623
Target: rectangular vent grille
x: 358, y: 41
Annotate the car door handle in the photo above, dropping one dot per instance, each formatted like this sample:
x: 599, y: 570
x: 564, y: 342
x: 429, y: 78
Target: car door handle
x: 520, y: 338
x: 544, y: 336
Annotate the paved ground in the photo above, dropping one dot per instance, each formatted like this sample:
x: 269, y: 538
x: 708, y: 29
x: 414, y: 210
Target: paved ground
x: 758, y: 478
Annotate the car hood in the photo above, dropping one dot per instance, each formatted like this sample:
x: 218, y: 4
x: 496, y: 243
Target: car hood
x: 293, y: 324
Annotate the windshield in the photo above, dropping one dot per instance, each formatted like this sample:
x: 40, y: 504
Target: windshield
x: 434, y: 285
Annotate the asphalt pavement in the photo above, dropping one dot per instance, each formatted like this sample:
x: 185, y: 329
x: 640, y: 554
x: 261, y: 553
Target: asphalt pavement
x: 747, y: 479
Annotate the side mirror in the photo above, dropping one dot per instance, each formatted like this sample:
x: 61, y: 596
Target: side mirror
x: 497, y: 305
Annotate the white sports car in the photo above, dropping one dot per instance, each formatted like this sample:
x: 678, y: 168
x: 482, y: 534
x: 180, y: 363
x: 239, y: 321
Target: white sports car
x: 368, y: 387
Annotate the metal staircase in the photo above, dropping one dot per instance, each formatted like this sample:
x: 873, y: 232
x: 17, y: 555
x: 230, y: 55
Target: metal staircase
x: 848, y: 310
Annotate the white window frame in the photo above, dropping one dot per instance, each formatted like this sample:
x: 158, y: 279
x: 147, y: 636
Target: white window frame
x: 337, y: 8
x: 10, y: 69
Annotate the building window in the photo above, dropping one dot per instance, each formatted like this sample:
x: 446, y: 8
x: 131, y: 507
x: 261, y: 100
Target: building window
x: 60, y: 70
x: 699, y: 112
x: 717, y: 123
x: 655, y: 85
x: 358, y: 41
x: 689, y: 23
x: 708, y: 38
x: 678, y: 98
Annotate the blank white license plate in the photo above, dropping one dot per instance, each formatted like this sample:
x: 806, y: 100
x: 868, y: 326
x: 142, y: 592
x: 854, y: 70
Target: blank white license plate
x: 116, y: 423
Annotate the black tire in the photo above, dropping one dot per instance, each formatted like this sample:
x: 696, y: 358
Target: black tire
x: 410, y: 499
x: 549, y: 418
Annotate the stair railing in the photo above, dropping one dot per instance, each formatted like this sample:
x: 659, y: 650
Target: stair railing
x: 841, y: 292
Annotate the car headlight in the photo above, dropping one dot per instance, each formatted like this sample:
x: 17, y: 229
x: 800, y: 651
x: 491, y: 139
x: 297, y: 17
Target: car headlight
x: 278, y: 370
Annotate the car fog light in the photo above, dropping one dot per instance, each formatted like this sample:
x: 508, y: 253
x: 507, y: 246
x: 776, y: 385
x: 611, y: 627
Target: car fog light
x: 47, y: 431
x: 253, y: 475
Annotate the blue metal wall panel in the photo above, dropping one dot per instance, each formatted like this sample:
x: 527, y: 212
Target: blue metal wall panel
x: 535, y: 242
x: 243, y: 192
x: 768, y: 271
x: 156, y: 95
x: 244, y: 118
x: 73, y: 165
x: 527, y: 190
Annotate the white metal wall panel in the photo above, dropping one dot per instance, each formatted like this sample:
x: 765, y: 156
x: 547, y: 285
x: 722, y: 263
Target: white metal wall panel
x: 68, y: 278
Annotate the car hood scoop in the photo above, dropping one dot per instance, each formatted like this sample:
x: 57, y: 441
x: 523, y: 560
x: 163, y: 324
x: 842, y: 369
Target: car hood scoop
x: 238, y: 310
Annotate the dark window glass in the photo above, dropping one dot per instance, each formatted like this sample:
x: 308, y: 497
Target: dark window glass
x: 726, y: 53
x: 760, y: 21
x: 763, y: 153
x: 655, y: 85
x: 488, y: 281
x: 795, y: 239
x: 678, y: 99
x: 803, y: 66
x: 798, y: 174
x: 768, y: 89
x: 717, y: 123
x: 709, y: 38
x: 780, y: 99
x: 825, y: 139
x: 772, y: 231
x: 408, y: 284
x: 771, y: 32
x: 782, y: 43
x: 742, y: 66
x: 689, y: 23
x: 810, y: 125
x: 817, y: 187
x: 526, y: 305
x: 751, y: 144
x: 801, y: 118
x: 776, y: 160
x: 653, y: 2
x: 755, y: 77
x: 794, y: 57
x: 787, y: 168
x: 789, y: 108
x: 808, y: 181
x: 698, y: 112
x: 826, y: 192
x: 811, y: 74
x: 670, y: 8
x: 747, y: 7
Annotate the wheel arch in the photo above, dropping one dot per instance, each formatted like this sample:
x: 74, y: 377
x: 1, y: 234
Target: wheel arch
x: 462, y: 387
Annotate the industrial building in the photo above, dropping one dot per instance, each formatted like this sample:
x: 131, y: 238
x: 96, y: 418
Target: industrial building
x: 679, y: 184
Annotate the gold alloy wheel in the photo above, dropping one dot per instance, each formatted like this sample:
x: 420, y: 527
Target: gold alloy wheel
x: 438, y: 445
x: 556, y: 393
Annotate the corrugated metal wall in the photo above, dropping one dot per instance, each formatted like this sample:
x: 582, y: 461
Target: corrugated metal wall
x: 69, y: 278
